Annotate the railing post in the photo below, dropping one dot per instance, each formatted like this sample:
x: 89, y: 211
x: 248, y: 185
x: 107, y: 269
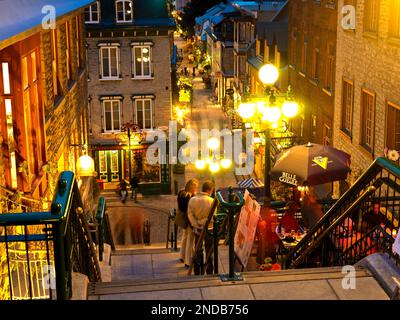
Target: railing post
x: 232, y: 208
x: 215, y: 240
x: 62, y: 278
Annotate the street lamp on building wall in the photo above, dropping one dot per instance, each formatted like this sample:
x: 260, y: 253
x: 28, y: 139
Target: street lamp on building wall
x: 266, y: 113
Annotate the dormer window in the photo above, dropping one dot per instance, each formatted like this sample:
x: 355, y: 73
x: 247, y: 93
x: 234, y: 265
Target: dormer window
x: 123, y: 10
x: 92, y: 13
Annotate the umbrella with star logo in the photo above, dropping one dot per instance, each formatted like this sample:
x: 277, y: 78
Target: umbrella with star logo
x: 310, y: 165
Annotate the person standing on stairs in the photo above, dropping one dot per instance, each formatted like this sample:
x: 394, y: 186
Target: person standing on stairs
x: 198, y: 211
x: 184, y: 196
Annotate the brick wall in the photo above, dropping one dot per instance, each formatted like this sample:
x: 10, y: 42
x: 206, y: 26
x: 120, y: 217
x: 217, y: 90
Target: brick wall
x: 372, y: 63
x: 316, y: 21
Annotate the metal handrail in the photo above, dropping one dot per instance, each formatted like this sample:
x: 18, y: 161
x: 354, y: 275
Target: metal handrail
x: 334, y: 225
x: 341, y: 206
x: 104, y: 234
x: 63, y: 231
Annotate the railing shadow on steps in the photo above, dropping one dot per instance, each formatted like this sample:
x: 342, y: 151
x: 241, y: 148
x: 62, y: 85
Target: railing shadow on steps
x: 104, y: 234
x: 347, y: 232
x: 39, y: 251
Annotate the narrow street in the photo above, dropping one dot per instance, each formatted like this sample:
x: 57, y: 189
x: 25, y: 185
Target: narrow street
x: 127, y: 219
x: 204, y: 115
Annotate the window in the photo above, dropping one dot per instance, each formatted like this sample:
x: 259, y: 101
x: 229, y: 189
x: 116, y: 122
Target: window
x: 304, y: 55
x: 111, y: 115
x: 7, y: 131
x: 293, y: 48
x: 92, y: 13
x: 330, y: 68
x: 394, y: 18
x: 54, y: 63
x: 347, y: 107
x: 68, y: 53
x: 327, y: 135
x: 393, y: 127
x: 367, y: 117
x: 316, y: 64
x: 78, y: 42
x: 109, y: 57
x: 141, y: 61
x: 144, y: 113
x: 123, y: 10
x: 371, y: 15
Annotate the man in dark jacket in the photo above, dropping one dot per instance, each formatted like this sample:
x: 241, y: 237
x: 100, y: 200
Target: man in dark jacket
x: 135, y: 185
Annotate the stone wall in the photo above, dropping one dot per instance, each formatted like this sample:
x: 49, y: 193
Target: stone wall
x: 160, y: 86
x: 372, y: 62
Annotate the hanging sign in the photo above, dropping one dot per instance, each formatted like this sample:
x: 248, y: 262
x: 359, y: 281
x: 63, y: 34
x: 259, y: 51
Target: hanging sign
x: 289, y: 178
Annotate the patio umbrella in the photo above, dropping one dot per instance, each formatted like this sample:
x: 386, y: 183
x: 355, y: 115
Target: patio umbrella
x: 311, y: 164
x: 250, y: 183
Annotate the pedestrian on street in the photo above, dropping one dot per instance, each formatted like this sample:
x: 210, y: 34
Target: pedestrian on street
x: 198, y: 212
x: 184, y: 196
x: 135, y: 186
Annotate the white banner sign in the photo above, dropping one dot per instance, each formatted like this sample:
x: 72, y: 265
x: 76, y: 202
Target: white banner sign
x: 246, y: 229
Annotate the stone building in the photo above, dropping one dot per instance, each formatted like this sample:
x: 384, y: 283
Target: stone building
x: 129, y: 50
x: 367, y: 102
x: 312, y: 55
x: 43, y: 94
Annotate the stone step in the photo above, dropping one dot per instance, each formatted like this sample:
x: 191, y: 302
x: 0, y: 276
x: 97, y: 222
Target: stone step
x: 320, y: 283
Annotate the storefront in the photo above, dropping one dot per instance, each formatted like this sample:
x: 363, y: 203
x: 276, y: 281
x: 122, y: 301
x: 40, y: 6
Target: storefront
x: 112, y: 165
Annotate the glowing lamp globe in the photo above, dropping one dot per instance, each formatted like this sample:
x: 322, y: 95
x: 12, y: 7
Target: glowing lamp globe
x: 214, y: 167
x: 226, y: 163
x: 200, y: 164
x: 290, y: 109
x: 246, y: 110
x: 213, y: 143
x: 268, y: 74
x: 261, y: 107
x: 272, y: 114
x: 85, y: 166
x: 179, y: 113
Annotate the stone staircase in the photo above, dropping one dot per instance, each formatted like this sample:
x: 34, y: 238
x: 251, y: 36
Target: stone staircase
x: 156, y: 273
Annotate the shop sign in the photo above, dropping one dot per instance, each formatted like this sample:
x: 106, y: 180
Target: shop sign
x: 246, y: 229
x: 288, y: 178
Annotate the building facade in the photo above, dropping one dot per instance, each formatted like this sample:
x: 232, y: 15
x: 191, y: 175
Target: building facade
x: 312, y: 56
x: 43, y: 94
x: 367, y: 114
x: 129, y: 50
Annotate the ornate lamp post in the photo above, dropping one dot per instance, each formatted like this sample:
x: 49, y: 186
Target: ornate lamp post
x: 267, y: 113
x: 130, y: 128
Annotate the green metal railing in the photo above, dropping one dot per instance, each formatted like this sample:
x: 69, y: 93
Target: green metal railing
x: 103, y: 228
x: 60, y: 240
x: 346, y: 233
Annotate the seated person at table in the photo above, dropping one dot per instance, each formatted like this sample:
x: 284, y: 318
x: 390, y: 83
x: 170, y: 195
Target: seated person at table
x: 288, y: 221
x: 374, y: 217
x: 311, y: 210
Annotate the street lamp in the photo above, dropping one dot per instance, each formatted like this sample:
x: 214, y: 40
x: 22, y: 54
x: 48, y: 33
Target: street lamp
x: 130, y: 128
x: 269, y: 113
x: 212, y: 163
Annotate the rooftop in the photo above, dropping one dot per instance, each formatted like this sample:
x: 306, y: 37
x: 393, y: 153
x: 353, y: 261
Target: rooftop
x: 18, y: 16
